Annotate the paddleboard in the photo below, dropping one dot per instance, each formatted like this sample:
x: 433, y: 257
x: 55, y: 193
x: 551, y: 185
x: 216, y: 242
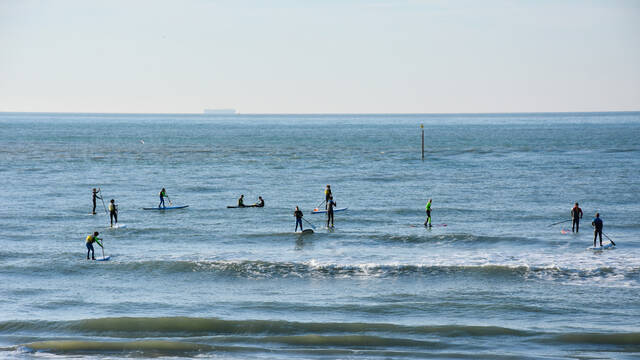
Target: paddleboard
x: 118, y: 226
x: 106, y: 258
x: 307, y: 231
x: 318, y: 211
x: 606, y: 246
x: 242, y: 207
x: 166, y: 208
x: 432, y: 225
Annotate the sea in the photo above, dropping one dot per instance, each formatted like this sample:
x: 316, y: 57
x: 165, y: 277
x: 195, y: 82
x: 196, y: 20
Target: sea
x: 492, y: 279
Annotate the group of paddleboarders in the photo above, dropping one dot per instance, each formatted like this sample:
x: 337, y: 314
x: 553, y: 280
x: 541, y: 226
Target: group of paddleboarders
x: 259, y: 203
x: 576, y: 215
x: 330, y: 205
x: 112, y: 208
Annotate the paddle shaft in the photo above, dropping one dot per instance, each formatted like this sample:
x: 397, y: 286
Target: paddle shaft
x: 605, y: 235
x: 560, y: 222
x: 312, y: 226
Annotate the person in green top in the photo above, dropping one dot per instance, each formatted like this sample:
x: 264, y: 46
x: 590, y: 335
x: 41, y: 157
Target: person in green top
x: 162, y: 194
x: 428, y: 209
x: 89, y: 243
x: 241, y: 201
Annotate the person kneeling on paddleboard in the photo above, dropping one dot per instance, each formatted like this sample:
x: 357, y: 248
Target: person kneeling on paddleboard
x: 260, y: 202
x: 163, y: 193
x: 298, y: 214
x: 89, y: 243
x: 113, y: 212
x: 597, y: 224
x: 241, y: 201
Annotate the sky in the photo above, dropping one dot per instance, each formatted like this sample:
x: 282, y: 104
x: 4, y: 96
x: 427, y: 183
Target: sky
x: 325, y: 56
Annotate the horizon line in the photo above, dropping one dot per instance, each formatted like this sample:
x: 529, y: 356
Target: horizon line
x: 328, y: 113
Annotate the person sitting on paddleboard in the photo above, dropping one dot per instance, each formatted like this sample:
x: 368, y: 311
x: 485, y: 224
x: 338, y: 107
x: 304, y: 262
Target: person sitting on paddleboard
x: 163, y: 193
x: 95, y: 196
x: 260, y: 202
x: 298, y: 214
x: 327, y: 195
x: 597, y: 224
x: 428, y: 209
x: 89, y: 242
x: 330, y: 205
x: 113, y: 212
x: 576, y: 215
x: 241, y: 201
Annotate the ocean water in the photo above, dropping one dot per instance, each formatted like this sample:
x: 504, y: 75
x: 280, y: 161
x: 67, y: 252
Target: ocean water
x: 496, y: 282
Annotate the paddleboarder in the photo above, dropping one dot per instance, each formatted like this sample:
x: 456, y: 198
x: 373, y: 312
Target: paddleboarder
x: 162, y: 194
x: 113, y: 212
x: 597, y: 229
x: 89, y: 243
x: 428, y: 209
x: 260, y: 202
x: 298, y: 215
x: 95, y: 196
x: 330, y: 205
x: 576, y: 215
x: 241, y: 201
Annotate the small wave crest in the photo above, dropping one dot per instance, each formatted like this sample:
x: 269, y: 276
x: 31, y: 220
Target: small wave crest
x: 189, y: 326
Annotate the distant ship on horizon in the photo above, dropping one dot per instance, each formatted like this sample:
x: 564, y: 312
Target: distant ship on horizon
x: 220, y: 111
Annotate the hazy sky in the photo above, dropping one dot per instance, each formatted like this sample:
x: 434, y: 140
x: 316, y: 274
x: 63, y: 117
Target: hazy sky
x: 325, y: 56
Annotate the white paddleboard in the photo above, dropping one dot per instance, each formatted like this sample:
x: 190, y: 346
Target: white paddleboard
x: 118, y: 226
x: 106, y: 258
x: 607, y: 246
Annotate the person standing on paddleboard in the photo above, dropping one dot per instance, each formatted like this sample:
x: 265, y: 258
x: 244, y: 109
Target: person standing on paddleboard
x: 327, y: 195
x: 95, y: 196
x: 428, y: 209
x: 597, y: 229
x: 576, y: 215
x: 162, y: 194
x: 330, y: 205
x: 298, y: 214
x: 89, y: 243
x: 113, y: 212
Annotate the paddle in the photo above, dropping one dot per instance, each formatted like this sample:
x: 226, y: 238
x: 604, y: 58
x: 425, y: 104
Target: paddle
x: 170, y: 204
x: 312, y: 226
x: 605, y: 235
x: 103, y: 205
x: 318, y: 206
x: 560, y: 222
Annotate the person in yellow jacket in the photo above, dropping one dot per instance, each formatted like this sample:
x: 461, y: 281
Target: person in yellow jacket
x: 89, y: 243
x: 327, y: 195
x: 113, y: 212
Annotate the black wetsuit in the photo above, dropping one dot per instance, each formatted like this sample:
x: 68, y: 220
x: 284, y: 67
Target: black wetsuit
x: 576, y: 214
x: 113, y: 214
x: 597, y: 224
x: 95, y: 196
x: 298, y: 214
x: 330, y: 205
